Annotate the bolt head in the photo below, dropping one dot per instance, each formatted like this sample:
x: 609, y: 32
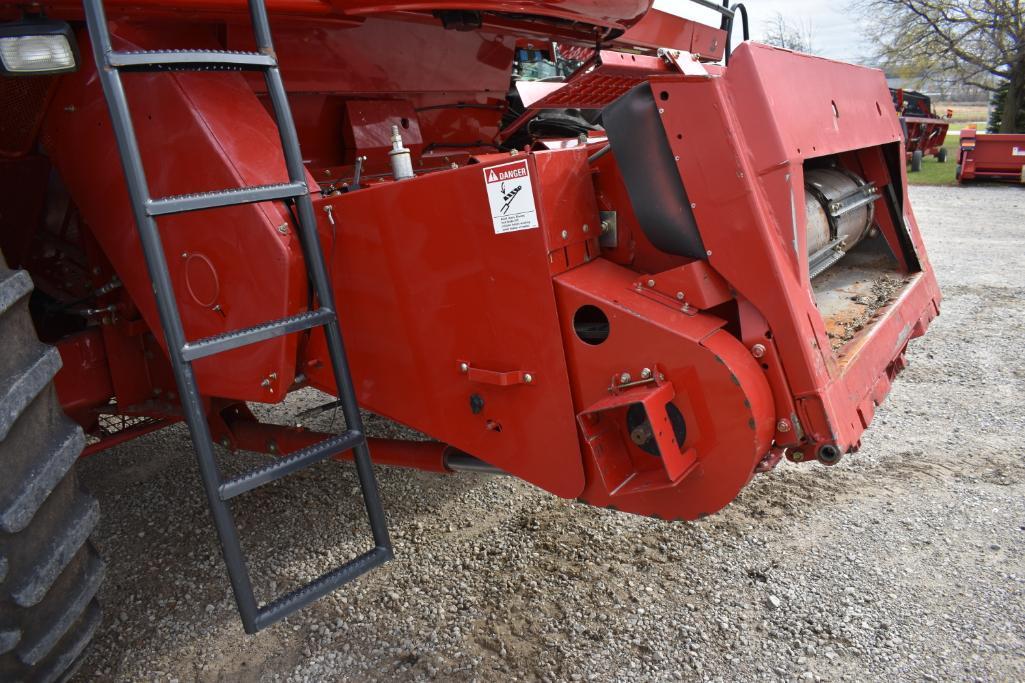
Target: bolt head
x: 679, y: 295
x: 797, y: 456
x: 783, y: 426
x: 758, y: 350
x: 565, y: 234
x: 587, y: 228
x: 283, y: 228
x: 528, y: 378
x: 646, y: 373
x: 624, y: 378
x: 651, y: 283
x: 464, y: 367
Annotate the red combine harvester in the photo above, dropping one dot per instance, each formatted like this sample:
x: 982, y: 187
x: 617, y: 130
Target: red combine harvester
x: 924, y: 130
x: 705, y: 263
x: 988, y: 156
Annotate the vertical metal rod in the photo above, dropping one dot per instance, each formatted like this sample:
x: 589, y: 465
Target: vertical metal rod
x: 261, y: 26
x: 314, y: 256
x: 149, y: 236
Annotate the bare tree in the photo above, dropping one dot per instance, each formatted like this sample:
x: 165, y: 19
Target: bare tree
x: 781, y: 32
x: 973, y: 42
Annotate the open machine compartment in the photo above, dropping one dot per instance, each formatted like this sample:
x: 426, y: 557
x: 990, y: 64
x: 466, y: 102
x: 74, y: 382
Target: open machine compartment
x: 859, y: 258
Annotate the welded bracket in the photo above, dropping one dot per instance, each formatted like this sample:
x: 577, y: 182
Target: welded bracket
x: 497, y: 378
x: 624, y: 467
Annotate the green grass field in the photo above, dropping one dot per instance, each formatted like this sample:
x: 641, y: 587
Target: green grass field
x: 935, y: 173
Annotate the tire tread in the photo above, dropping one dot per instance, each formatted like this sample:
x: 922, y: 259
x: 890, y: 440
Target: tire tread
x: 50, y: 572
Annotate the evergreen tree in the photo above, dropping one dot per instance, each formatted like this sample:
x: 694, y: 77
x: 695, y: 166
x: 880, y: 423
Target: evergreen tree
x: 996, y: 116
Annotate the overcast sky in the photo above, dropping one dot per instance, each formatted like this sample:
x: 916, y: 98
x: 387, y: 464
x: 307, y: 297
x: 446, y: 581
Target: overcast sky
x: 836, y: 31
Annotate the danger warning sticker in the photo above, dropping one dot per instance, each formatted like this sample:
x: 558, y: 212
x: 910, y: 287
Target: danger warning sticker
x: 511, y: 197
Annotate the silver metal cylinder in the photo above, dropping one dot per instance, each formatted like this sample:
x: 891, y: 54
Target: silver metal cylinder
x: 401, y: 161
x: 840, y: 209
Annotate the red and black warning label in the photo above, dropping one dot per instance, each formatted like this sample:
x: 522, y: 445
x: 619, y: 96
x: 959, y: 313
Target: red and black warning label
x: 511, y: 196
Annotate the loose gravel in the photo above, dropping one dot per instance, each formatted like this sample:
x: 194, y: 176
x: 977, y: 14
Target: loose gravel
x: 905, y: 562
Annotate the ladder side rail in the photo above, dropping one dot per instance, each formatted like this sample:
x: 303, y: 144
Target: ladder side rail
x: 156, y: 265
x: 314, y: 256
x: 261, y: 27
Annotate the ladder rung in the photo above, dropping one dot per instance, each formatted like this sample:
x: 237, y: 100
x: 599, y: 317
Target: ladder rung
x: 212, y: 200
x: 208, y: 346
x: 157, y: 60
x: 299, y: 598
x: 291, y: 463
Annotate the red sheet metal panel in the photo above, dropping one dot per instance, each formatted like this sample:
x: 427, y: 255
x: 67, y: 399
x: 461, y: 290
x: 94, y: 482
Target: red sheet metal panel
x: 741, y: 142
x: 986, y: 156
x: 661, y: 29
x: 197, y: 132
x: 426, y: 284
x: 619, y: 14
x: 717, y: 386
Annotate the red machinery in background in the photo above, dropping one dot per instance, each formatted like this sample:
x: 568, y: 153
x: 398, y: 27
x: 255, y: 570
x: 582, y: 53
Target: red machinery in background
x: 925, y: 131
x: 692, y: 272
x: 991, y: 156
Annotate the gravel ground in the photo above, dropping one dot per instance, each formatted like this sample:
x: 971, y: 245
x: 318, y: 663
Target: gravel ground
x: 907, y: 561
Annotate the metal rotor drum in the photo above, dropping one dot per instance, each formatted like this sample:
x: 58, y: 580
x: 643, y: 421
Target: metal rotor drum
x: 829, y: 224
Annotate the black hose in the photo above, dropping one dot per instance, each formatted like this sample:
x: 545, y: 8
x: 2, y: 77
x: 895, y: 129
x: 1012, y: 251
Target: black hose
x: 599, y: 154
x: 728, y: 26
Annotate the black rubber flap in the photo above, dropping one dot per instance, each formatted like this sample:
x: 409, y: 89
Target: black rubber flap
x: 646, y: 162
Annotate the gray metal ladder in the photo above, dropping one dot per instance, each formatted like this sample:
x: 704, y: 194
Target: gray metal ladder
x: 146, y: 209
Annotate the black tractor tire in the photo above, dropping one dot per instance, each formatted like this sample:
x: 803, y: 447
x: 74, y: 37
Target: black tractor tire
x: 941, y: 156
x: 49, y: 570
x: 916, y: 161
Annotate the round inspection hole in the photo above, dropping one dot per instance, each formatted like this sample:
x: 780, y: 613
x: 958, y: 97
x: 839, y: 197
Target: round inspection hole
x: 591, y: 325
x: 405, y: 123
x: 663, y: 95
